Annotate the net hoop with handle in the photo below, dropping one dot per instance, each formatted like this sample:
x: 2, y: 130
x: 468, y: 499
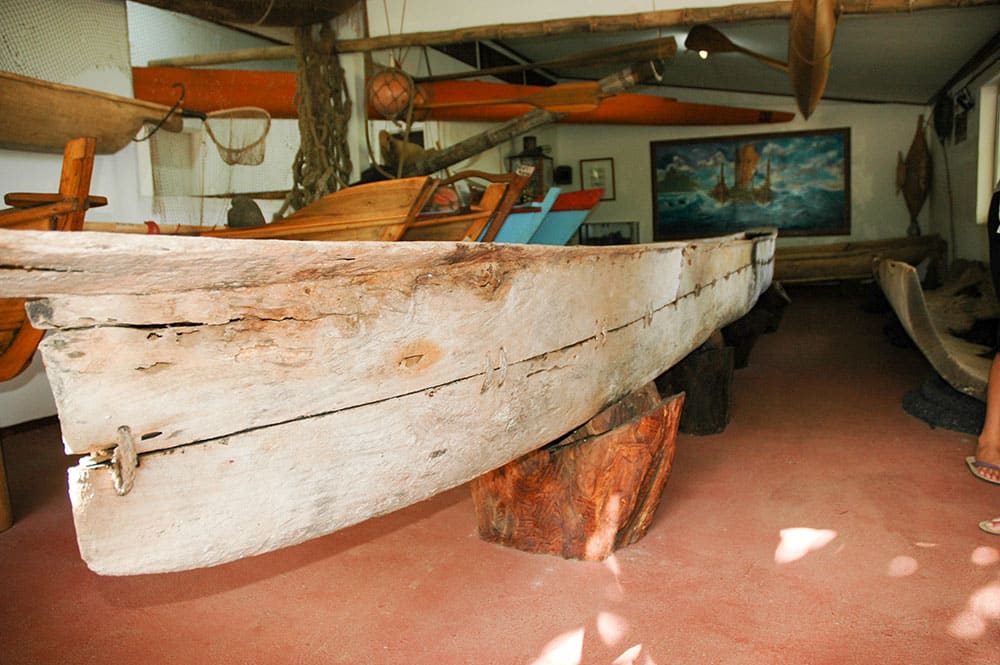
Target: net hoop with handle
x: 239, y: 134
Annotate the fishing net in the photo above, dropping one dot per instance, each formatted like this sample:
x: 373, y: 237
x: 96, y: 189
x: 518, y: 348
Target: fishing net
x: 196, y: 173
x: 239, y: 134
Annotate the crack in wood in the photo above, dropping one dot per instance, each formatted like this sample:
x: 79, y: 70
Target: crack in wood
x: 642, y: 319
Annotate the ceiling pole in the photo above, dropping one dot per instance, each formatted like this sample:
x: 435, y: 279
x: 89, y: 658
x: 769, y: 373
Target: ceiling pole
x: 667, y: 18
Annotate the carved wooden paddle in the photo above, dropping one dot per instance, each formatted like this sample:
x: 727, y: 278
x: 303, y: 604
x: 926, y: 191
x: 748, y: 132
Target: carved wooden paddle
x: 707, y: 38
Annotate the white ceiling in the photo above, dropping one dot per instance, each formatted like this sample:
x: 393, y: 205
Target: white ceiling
x: 898, y: 57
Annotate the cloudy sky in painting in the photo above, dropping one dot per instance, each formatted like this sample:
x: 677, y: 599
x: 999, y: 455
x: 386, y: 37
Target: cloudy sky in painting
x: 797, y: 161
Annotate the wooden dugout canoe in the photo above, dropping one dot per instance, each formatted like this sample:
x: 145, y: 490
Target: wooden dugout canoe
x: 965, y: 366
x: 620, y: 109
x: 276, y: 391
x: 41, y: 116
x: 853, y: 260
x: 811, y: 29
x: 215, y: 89
x: 396, y: 209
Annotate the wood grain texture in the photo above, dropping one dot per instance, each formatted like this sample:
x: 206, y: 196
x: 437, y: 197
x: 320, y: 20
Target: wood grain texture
x: 298, y: 388
x: 964, y: 365
x: 70, y: 112
x: 855, y: 260
x: 811, y: 29
x: 586, y: 495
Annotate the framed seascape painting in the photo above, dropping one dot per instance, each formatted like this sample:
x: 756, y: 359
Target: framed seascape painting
x: 798, y: 182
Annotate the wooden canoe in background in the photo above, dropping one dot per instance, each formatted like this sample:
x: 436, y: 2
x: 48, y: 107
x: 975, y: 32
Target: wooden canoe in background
x: 373, y: 211
x: 213, y: 90
x: 811, y: 28
x: 621, y: 109
x: 522, y: 223
x: 566, y: 215
x: 927, y: 319
x: 276, y: 391
x: 854, y: 259
x: 397, y: 209
x: 40, y: 116
x: 207, y: 90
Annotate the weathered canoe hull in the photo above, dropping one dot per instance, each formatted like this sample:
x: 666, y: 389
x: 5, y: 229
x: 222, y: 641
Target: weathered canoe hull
x: 214, y: 89
x: 963, y: 365
x: 41, y: 116
x: 621, y: 109
x: 278, y: 391
x: 853, y: 260
x: 811, y: 29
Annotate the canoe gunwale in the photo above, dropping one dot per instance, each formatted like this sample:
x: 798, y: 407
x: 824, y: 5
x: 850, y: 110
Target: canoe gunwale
x: 313, y: 469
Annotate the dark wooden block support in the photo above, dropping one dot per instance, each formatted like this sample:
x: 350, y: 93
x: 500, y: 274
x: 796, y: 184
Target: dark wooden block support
x: 706, y: 377
x: 589, y: 493
x: 763, y: 318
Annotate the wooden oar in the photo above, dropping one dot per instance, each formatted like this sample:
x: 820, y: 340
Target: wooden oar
x: 562, y: 98
x: 706, y: 38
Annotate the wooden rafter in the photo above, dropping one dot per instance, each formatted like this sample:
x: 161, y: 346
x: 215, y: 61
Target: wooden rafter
x: 667, y: 18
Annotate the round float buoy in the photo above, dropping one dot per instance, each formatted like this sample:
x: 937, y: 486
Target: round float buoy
x: 390, y: 93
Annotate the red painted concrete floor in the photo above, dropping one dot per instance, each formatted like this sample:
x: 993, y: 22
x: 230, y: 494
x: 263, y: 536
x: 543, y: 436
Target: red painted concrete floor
x: 825, y: 525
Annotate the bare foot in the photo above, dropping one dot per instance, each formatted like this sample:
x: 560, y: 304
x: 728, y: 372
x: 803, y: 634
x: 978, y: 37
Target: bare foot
x: 990, y: 454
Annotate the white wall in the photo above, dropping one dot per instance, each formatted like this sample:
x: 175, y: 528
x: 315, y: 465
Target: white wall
x: 965, y: 172
x: 78, y: 42
x: 878, y: 133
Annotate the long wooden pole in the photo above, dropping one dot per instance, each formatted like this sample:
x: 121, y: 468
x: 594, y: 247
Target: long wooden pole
x: 609, y: 86
x: 665, y: 18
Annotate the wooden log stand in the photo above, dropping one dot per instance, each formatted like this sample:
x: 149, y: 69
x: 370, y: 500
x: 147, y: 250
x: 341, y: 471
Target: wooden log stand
x: 763, y: 318
x: 705, y: 376
x: 590, y: 493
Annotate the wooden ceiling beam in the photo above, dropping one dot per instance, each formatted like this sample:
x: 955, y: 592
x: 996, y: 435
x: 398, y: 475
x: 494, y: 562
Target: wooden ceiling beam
x: 258, y: 12
x: 667, y: 18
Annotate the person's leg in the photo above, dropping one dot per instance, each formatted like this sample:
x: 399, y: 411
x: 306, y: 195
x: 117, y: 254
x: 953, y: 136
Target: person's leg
x: 988, y: 450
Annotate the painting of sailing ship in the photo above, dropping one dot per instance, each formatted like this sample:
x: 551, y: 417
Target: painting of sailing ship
x: 798, y: 182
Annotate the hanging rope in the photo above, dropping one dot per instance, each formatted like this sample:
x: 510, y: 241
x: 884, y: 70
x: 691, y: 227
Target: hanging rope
x: 323, y: 162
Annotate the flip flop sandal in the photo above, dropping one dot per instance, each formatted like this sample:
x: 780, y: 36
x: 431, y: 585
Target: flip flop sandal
x: 975, y: 466
x: 991, y: 526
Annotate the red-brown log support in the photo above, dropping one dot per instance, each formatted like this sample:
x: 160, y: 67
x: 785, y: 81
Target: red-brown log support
x: 591, y: 492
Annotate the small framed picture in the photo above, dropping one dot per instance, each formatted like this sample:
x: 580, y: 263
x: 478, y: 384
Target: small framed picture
x: 596, y: 173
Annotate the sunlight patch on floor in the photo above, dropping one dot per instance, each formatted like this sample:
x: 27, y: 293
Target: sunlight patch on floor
x: 798, y: 542
x: 611, y: 627
x: 565, y: 649
x: 985, y: 556
x: 902, y: 566
x: 982, y: 609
